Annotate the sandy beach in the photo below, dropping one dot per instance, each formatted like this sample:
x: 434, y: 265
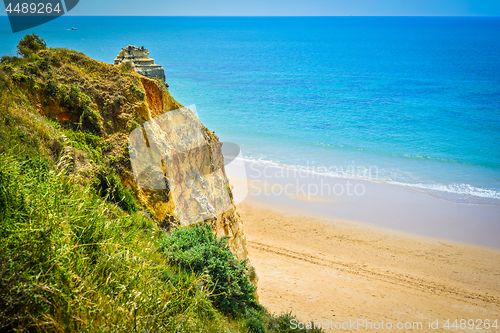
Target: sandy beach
x: 322, y: 267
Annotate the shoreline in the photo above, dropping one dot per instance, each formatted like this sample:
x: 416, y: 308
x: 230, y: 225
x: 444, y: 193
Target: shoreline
x: 326, y: 267
x: 427, y: 189
x: 380, y: 204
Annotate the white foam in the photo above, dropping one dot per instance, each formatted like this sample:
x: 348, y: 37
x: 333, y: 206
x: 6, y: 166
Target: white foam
x: 453, y: 192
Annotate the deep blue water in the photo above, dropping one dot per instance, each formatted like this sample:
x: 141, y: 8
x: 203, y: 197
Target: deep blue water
x: 414, y: 100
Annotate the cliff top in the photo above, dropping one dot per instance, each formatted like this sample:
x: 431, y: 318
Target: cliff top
x: 138, y: 59
x: 133, y: 52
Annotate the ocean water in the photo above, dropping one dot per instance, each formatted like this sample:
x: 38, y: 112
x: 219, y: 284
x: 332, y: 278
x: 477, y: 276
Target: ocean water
x: 410, y: 101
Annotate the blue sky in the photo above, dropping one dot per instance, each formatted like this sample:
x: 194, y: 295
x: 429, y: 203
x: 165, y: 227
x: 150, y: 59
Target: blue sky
x: 289, y: 7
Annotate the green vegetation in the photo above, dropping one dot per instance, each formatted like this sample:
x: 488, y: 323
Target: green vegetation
x: 109, y: 186
x: 138, y: 91
x: 197, y: 249
x: 30, y: 44
x: 78, y: 253
x: 70, y: 262
x: 20, y: 77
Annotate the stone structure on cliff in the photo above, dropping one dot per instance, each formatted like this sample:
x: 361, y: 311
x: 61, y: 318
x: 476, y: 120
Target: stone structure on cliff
x: 138, y: 57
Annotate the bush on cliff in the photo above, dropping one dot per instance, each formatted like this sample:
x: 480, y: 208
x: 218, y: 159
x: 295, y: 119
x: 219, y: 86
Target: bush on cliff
x: 109, y: 186
x: 30, y: 44
x: 197, y: 249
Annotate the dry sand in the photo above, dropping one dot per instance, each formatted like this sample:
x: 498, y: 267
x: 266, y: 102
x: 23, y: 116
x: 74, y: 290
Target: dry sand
x: 322, y: 267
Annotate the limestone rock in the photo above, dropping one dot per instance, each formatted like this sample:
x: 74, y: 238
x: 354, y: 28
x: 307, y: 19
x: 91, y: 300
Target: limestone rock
x: 198, y: 165
x: 138, y: 57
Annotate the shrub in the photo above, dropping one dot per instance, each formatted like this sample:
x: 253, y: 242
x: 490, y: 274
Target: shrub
x: 77, y: 102
x: 30, y: 44
x: 138, y: 91
x: 21, y: 78
x: 73, y: 99
x: 9, y: 59
x: 254, y: 322
x: 197, y: 249
x: 51, y: 89
x: 90, y: 120
x: 8, y: 68
x: 43, y: 65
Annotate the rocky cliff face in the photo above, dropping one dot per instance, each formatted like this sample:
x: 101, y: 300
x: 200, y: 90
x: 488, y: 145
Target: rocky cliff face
x: 138, y: 58
x: 113, y: 101
x: 187, y: 183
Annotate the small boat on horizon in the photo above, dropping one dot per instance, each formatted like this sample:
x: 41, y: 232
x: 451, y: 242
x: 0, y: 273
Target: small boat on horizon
x: 74, y: 28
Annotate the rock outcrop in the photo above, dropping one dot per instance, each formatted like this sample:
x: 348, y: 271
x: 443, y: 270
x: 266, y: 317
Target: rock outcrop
x: 178, y: 167
x: 138, y: 58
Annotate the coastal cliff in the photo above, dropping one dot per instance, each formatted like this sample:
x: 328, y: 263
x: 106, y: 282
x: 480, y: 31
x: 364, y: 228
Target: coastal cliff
x: 82, y: 246
x: 110, y: 101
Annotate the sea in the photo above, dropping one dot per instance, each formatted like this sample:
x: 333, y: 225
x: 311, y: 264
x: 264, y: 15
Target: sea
x: 408, y: 101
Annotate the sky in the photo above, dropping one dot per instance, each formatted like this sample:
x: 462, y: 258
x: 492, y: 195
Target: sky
x: 288, y: 7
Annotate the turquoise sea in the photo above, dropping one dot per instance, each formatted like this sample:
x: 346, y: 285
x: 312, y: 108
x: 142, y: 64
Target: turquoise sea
x: 411, y: 101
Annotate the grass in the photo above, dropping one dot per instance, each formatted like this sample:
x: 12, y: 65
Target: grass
x: 109, y: 186
x: 71, y: 262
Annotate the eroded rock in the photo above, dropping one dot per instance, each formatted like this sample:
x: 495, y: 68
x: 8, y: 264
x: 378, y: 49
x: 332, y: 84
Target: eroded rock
x: 138, y: 58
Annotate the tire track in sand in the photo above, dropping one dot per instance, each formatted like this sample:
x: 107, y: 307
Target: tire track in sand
x: 402, y: 280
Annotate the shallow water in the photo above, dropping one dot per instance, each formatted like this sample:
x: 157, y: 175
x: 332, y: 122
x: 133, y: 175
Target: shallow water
x: 408, y: 101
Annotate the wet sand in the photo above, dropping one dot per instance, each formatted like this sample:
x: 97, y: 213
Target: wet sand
x: 381, y: 204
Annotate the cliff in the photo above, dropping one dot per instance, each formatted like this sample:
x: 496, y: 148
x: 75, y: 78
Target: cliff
x: 83, y: 248
x: 111, y: 101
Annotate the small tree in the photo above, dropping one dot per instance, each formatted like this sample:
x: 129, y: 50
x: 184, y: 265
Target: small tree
x: 30, y: 44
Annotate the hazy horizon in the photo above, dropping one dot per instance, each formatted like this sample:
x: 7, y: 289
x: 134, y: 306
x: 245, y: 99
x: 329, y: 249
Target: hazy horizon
x: 488, y: 8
